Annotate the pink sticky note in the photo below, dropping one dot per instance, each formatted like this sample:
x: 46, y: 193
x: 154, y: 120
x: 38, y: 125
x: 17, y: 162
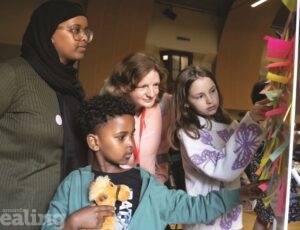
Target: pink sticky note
x: 281, y: 200
x: 274, y: 166
x: 276, y: 111
x: 278, y: 48
x: 263, y: 187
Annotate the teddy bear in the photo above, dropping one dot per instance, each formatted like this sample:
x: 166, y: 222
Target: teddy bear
x: 103, y: 186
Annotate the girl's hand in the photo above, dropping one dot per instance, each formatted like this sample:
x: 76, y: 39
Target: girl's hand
x: 259, y: 109
x: 90, y: 217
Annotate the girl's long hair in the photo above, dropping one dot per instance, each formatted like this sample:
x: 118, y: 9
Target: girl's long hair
x: 184, y: 116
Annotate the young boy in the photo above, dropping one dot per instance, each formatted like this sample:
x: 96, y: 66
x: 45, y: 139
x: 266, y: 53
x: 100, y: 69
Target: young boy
x: 108, y: 124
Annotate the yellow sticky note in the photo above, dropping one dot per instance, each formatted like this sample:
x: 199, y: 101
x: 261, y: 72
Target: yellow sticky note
x: 277, y: 78
x: 290, y: 4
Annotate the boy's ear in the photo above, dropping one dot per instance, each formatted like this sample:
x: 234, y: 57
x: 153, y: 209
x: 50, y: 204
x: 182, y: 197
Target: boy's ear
x: 93, y: 142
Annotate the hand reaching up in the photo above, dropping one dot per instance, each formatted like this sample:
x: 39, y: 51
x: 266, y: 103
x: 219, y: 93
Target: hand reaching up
x: 252, y: 191
x: 259, y: 109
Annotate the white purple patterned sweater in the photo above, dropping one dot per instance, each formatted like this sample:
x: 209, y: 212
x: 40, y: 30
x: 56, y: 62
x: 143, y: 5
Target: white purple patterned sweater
x: 216, y: 160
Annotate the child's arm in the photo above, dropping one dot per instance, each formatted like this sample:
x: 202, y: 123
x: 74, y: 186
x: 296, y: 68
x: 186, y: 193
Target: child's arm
x: 204, y: 209
x: 240, y: 146
x: 59, y: 206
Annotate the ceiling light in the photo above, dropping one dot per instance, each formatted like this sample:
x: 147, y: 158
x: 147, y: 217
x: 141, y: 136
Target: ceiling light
x: 255, y: 4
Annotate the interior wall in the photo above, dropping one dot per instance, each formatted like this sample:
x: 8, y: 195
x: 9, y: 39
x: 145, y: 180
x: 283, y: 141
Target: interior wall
x: 199, y: 27
x: 14, y: 17
x: 9, y: 51
x: 241, y: 49
x: 120, y: 27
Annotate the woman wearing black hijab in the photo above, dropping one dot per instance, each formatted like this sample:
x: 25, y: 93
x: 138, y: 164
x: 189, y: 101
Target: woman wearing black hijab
x: 39, y: 96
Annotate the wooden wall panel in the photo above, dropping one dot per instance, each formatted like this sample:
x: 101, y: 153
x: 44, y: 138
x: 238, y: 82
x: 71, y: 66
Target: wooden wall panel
x: 120, y: 27
x: 241, y: 49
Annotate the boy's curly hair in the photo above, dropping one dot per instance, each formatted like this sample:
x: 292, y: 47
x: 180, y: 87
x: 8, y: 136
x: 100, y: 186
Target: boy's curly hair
x: 99, y: 109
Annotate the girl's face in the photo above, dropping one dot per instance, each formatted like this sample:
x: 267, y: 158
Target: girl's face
x: 203, y: 96
x: 68, y: 48
x: 145, y: 94
x: 114, y: 142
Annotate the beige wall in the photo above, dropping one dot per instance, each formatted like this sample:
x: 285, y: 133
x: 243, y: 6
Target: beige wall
x: 201, y: 28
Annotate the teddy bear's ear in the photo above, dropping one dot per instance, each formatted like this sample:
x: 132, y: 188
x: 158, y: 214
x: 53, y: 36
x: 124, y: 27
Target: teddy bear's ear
x: 93, y: 142
x: 98, y: 187
x: 123, y: 192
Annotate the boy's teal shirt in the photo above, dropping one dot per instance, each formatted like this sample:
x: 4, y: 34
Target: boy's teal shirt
x: 158, y: 205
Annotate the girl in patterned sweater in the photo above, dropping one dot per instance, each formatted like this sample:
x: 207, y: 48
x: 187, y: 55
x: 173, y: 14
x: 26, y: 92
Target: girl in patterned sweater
x: 215, y: 150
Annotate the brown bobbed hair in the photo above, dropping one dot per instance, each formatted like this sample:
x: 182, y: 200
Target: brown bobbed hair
x: 131, y: 70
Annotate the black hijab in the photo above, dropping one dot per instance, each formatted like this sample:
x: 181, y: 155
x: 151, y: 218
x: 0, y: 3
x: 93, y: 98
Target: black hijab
x: 38, y: 50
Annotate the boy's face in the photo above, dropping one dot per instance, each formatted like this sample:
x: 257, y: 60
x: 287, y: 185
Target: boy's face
x: 113, y: 142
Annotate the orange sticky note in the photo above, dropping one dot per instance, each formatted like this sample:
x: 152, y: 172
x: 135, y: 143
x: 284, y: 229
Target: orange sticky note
x: 279, y: 64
